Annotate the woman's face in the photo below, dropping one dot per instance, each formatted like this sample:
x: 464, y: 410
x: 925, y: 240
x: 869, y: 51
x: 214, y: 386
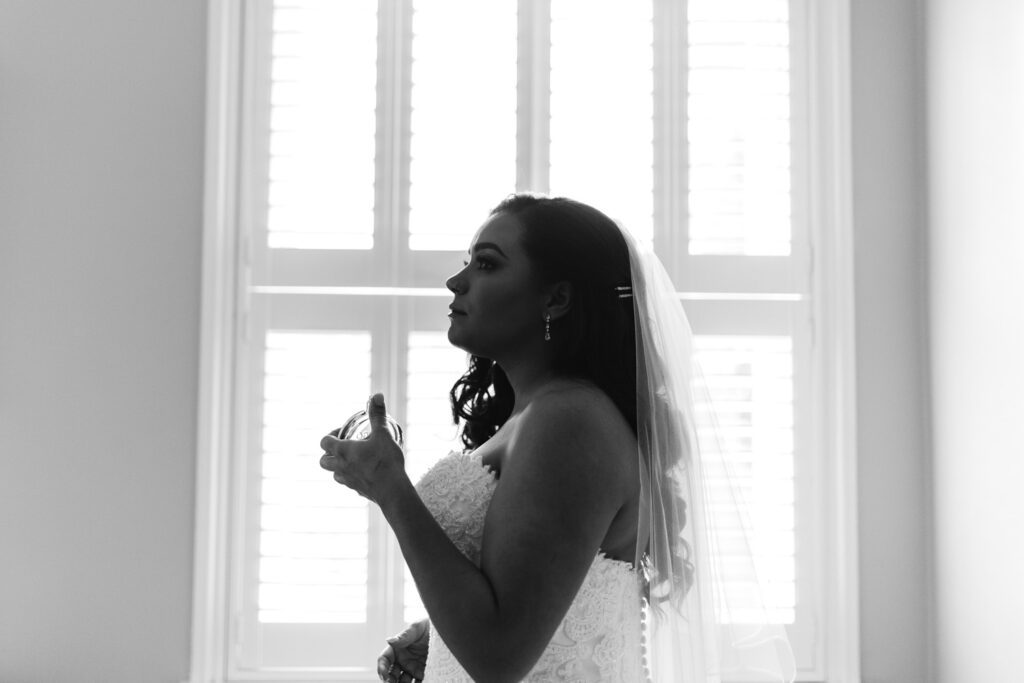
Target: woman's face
x: 498, y: 307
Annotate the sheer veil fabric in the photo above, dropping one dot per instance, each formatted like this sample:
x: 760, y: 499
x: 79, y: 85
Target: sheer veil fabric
x: 706, y: 617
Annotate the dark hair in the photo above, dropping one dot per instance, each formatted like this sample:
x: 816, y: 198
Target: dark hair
x: 565, y: 240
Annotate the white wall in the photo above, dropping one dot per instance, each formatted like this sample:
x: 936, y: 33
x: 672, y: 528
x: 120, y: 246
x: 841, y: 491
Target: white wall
x: 101, y: 122
x: 101, y: 111
x: 889, y: 238
x: 976, y: 253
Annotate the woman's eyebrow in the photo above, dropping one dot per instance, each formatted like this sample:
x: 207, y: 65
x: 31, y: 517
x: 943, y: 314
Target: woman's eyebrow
x: 488, y: 245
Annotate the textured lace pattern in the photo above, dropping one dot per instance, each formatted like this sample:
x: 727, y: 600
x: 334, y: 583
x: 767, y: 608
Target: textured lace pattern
x: 598, y: 640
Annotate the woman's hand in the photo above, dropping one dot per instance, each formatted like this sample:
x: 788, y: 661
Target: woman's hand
x: 372, y: 467
x: 405, y: 657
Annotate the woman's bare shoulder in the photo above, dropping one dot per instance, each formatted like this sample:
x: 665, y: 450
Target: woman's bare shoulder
x: 579, y: 401
x: 578, y: 419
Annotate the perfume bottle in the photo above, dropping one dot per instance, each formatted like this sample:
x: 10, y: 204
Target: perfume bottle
x: 358, y: 427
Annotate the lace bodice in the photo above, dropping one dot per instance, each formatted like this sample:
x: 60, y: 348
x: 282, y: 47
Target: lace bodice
x: 599, y: 638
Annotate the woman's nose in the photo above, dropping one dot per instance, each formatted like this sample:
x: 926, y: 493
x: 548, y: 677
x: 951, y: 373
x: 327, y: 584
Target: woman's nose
x: 454, y: 284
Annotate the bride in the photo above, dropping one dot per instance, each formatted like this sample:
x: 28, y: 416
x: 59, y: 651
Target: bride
x: 572, y: 540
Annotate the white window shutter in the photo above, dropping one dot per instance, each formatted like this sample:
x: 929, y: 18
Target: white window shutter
x: 377, y: 137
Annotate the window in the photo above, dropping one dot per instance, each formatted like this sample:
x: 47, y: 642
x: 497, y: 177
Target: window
x: 357, y: 145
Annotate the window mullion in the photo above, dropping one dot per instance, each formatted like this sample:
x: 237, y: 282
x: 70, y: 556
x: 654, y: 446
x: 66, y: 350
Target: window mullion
x: 801, y: 123
x: 254, y: 266
x: 254, y: 153
x: 533, y: 115
x: 393, y: 259
x: 670, y: 148
x: 394, y: 86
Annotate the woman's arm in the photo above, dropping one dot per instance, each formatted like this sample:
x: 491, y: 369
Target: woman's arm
x: 556, y: 499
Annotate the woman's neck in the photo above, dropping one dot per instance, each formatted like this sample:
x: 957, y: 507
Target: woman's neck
x: 529, y: 382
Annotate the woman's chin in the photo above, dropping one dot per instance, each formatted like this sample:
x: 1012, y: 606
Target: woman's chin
x: 459, y: 341
x: 453, y: 338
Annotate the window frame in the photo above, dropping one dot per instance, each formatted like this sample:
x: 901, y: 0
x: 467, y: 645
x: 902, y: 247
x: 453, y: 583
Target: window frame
x: 828, y: 160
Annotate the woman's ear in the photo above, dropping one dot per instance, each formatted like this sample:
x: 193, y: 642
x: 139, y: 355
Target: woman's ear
x: 559, y: 299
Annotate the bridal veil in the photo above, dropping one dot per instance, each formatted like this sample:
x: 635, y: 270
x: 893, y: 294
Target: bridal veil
x: 706, y: 618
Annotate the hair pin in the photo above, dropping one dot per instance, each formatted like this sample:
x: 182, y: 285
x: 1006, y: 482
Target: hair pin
x: 625, y: 292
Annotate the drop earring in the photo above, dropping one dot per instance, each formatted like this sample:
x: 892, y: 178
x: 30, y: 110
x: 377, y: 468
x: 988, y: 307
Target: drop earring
x: 547, y: 327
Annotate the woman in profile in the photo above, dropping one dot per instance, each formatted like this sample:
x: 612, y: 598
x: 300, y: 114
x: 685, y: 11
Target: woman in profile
x: 559, y: 546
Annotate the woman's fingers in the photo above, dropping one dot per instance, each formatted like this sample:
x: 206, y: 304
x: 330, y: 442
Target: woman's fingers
x: 411, y: 662
x: 385, y: 662
x: 378, y: 412
x: 408, y: 635
x: 405, y: 657
x: 330, y: 444
x: 329, y: 460
x: 396, y: 674
x: 409, y: 649
x: 367, y: 466
x: 415, y: 670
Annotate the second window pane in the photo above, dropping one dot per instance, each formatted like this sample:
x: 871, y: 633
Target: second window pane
x: 463, y: 144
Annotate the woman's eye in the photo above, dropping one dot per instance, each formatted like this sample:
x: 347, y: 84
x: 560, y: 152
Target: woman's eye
x: 481, y: 263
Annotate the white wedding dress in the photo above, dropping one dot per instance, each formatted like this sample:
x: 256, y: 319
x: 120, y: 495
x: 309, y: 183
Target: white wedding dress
x: 600, y: 637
